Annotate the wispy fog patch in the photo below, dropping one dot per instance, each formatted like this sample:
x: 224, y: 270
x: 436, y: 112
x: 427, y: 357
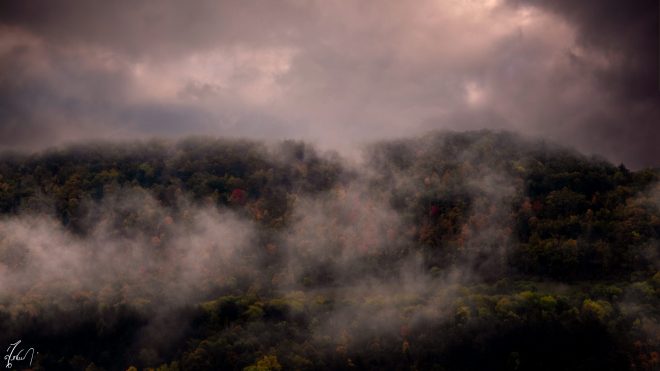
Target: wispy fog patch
x: 136, y: 253
x: 334, y: 232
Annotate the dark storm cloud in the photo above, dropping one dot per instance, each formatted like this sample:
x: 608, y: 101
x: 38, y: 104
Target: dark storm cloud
x: 621, y: 41
x: 625, y: 33
x: 335, y: 72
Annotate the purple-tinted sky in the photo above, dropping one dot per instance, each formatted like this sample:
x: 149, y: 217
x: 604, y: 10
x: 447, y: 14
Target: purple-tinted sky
x: 338, y: 73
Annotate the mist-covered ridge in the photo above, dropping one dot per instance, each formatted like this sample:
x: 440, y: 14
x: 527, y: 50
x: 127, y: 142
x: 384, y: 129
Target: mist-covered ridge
x: 449, y: 251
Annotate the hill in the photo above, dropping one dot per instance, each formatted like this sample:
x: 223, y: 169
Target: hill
x: 452, y: 251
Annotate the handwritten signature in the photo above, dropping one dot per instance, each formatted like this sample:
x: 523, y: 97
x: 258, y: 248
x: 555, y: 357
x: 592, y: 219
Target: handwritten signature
x: 17, y: 355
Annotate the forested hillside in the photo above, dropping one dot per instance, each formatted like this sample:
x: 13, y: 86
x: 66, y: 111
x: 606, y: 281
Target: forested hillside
x: 452, y: 251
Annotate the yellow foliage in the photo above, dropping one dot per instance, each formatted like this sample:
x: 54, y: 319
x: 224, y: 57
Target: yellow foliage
x: 598, y: 308
x: 548, y: 302
x: 266, y: 363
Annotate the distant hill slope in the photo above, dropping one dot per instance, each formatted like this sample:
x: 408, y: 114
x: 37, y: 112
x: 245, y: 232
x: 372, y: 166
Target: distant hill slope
x: 566, y: 215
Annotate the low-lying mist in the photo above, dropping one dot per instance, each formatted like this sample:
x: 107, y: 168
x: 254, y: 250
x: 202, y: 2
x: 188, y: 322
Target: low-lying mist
x: 159, y: 245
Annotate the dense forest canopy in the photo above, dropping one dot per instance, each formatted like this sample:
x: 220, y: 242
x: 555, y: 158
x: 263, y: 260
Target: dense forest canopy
x: 451, y: 251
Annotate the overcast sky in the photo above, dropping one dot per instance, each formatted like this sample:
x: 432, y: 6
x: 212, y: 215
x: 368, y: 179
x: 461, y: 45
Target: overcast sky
x: 338, y: 73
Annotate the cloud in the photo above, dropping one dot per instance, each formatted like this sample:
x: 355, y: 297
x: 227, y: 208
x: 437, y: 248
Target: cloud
x: 337, y: 73
x: 616, y: 48
x: 618, y: 40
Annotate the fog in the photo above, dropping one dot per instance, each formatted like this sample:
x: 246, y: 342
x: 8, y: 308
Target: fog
x: 135, y: 253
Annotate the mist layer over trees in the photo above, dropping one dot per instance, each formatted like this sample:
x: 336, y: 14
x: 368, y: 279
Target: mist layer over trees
x: 452, y: 251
